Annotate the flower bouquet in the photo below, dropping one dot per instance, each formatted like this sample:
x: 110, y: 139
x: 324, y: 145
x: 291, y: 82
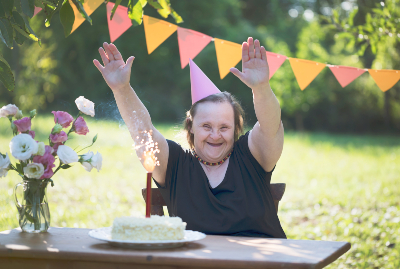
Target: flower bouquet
x: 36, y: 160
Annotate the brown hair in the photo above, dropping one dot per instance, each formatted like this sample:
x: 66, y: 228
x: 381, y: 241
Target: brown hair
x: 215, y: 98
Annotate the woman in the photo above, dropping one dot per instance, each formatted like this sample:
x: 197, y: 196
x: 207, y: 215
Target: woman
x: 232, y: 196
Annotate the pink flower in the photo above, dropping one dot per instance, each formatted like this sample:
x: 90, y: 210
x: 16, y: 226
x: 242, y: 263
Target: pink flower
x: 23, y: 125
x: 58, y: 138
x: 62, y: 118
x: 48, y: 162
x: 32, y: 133
x: 55, y: 147
x: 80, y: 126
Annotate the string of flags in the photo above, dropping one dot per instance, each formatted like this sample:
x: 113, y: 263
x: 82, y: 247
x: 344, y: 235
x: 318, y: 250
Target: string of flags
x: 229, y: 54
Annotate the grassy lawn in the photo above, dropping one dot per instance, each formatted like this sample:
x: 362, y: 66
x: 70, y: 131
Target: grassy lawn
x: 339, y: 187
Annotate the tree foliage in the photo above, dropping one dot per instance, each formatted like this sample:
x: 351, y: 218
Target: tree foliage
x: 15, y: 18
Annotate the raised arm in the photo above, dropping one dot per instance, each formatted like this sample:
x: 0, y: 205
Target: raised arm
x: 266, y: 137
x: 117, y: 73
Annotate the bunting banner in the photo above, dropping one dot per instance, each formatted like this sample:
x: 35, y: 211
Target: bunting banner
x: 190, y: 44
x: 156, y: 31
x: 120, y: 22
x: 36, y: 11
x: 90, y: 6
x: 385, y: 79
x: 305, y: 71
x: 274, y: 62
x: 345, y: 74
x: 229, y: 54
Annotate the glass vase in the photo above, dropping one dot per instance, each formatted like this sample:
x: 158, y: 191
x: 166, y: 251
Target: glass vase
x: 33, y: 208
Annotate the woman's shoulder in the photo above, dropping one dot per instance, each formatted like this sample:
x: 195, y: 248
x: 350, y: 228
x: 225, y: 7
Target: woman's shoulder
x: 176, y: 149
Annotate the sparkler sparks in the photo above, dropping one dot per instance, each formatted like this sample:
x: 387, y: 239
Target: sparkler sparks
x: 149, y: 148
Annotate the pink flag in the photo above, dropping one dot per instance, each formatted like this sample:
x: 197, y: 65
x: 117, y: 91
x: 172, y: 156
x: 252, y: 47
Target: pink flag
x: 36, y: 11
x: 120, y: 22
x: 345, y: 74
x: 190, y: 44
x: 274, y: 62
x: 201, y: 85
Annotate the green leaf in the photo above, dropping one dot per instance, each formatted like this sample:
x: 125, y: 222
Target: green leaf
x: 25, y: 18
x: 135, y: 12
x: 24, y: 32
x: 65, y: 166
x: 6, y: 32
x: 178, y: 19
x: 19, y: 168
x: 3, y: 60
x: 67, y: 18
x: 117, y: 2
x: 17, y: 19
x: 39, y: 3
x: 352, y: 15
x: 6, y: 7
x: 6, y: 75
x: 49, y: 10
x: 79, y: 6
x: 154, y: 4
x: 94, y: 139
x: 28, y: 7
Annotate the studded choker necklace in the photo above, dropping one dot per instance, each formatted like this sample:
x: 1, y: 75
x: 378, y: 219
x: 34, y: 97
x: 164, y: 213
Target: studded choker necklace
x: 211, y: 164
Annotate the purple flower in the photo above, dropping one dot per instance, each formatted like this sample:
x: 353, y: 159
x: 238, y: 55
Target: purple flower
x: 58, y: 138
x: 62, y: 118
x: 80, y: 126
x: 23, y: 125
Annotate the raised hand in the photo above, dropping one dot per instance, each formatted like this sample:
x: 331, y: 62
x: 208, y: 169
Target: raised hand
x: 255, y: 70
x: 115, y: 71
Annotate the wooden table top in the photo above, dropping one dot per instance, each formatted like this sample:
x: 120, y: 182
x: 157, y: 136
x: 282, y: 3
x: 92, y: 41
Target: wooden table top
x: 73, y: 248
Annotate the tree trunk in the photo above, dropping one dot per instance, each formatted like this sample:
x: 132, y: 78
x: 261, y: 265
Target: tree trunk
x: 386, y: 110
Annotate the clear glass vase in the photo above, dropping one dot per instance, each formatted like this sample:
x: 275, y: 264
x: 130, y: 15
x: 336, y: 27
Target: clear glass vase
x: 33, y: 208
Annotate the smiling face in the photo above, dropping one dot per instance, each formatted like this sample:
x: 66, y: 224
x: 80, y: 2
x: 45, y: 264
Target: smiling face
x: 213, y: 128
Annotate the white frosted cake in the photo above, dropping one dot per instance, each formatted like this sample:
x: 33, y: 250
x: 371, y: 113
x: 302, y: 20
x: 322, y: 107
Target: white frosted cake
x: 144, y: 229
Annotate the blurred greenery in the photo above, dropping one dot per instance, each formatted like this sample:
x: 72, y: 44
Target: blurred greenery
x: 52, y: 76
x: 339, y: 188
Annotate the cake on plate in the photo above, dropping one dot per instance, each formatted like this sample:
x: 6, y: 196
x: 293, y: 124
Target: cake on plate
x: 146, y: 229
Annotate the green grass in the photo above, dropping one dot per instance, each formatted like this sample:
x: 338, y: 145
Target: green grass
x: 339, y: 188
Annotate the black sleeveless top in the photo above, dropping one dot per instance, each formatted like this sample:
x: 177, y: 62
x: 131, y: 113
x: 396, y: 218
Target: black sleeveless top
x: 240, y: 205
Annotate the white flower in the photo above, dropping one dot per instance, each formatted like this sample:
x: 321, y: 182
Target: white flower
x: 85, y: 106
x: 90, y: 161
x: 4, y: 164
x: 23, y: 146
x: 67, y: 155
x: 34, y: 170
x: 8, y: 110
x: 41, y: 149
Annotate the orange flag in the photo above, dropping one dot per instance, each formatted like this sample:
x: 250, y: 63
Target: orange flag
x: 274, y: 62
x: 156, y: 32
x: 305, y: 71
x: 385, y: 79
x: 89, y: 6
x: 345, y: 74
x: 190, y: 44
x: 120, y: 22
x: 228, y: 55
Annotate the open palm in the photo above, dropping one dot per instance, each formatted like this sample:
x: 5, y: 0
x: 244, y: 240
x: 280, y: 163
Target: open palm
x: 115, y: 71
x: 255, y: 70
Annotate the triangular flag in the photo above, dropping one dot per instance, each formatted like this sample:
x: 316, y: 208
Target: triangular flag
x: 120, y: 22
x: 345, y: 74
x: 305, y: 71
x: 201, y: 85
x: 385, y: 79
x: 190, y: 44
x: 156, y: 32
x: 228, y: 55
x: 89, y: 6
x: 274, y: 62
x: 36, y: 11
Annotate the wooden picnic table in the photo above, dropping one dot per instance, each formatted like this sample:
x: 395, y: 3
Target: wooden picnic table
x: 72, y: 248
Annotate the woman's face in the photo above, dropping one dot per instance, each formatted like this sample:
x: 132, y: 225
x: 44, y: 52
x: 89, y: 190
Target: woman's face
x: 213, y: 129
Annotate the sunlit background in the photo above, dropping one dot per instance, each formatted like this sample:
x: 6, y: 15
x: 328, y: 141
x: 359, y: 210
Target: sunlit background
x: 342, y: 149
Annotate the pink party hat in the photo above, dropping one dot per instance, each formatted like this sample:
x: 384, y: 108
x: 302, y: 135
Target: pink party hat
x: 202, y: 86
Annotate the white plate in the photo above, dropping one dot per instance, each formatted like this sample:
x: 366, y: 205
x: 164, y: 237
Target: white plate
x: 104, y: 234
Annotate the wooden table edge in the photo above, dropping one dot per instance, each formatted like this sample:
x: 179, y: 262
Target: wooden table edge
x: 337, y: 254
